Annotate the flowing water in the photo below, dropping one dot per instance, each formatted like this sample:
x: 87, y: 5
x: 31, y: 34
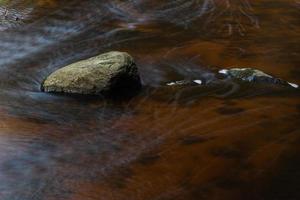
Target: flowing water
x: 224, y: 141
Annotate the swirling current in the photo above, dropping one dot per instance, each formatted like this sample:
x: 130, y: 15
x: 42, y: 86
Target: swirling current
x: 223, y: 140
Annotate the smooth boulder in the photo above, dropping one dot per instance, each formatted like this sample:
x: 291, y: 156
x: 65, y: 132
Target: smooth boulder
x: 109, y: 73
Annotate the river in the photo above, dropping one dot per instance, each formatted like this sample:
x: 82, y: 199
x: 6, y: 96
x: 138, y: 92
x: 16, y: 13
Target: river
x: 234, y: 141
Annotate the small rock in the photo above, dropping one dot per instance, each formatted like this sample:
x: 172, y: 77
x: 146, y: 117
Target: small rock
x: 185, y: 82
x: 13, y: 17
x: 254, y: 75
x: 112, y: 72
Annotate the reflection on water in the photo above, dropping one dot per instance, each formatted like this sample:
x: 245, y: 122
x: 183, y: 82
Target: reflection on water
x: 223, y: 140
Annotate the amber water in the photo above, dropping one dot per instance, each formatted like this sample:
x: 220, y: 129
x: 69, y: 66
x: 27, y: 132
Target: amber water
x: 230, y: 141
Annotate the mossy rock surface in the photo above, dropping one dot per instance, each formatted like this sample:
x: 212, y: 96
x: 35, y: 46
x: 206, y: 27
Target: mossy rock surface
x: 103, y: 74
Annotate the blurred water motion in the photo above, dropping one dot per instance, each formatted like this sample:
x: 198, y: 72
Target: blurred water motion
x: 213, y: 141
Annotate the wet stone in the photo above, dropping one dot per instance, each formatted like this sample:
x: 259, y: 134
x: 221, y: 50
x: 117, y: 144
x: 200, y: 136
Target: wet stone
x: 185, y: 83
x: 108, y: 73
x: 12, y: 17
x: 254, y: 75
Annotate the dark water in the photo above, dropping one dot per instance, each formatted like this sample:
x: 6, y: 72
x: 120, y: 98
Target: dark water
x: 224, y: 141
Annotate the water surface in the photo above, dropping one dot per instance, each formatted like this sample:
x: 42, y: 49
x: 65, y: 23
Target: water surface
x: 220, y: 141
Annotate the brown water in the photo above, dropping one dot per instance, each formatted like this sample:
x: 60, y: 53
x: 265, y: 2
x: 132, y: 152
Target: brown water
x: 220, y: 141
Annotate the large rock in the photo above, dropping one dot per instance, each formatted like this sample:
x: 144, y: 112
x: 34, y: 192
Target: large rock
x: 108, y: 73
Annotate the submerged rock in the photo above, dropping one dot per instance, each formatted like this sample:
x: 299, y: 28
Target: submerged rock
x: 185, y: 82
x: 12, y: 17
x: 108, y: 73
x: 254, y: 75
x: 242, y: 74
